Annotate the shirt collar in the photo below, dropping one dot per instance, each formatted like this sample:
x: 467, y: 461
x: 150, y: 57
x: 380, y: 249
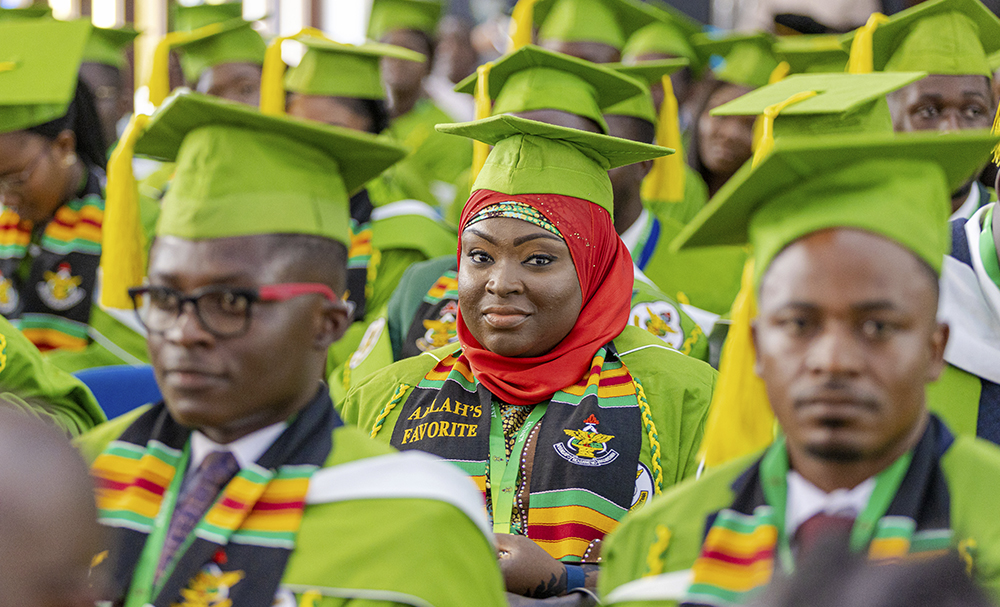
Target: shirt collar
x: 247, y: 449
x: 806, y: 500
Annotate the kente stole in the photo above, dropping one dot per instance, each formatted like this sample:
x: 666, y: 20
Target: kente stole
x: 746, y: 542
x: 585, y: 454
x: 245, y: 538
x: 435, y: 323
x: 359, y: 254
x: 48, y: 273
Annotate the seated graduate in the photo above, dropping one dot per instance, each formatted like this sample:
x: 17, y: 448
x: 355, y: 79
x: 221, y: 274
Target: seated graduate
x: 848, y: 235
x: 244, y: 485
x: 52, y: 160
x: 564, y: 415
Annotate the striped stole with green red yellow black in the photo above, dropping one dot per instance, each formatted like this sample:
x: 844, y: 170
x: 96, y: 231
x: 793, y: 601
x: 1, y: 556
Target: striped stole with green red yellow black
x: 49, y: 299
x: 740, y: 553
x: 585, y: 450
x: 248, y: 533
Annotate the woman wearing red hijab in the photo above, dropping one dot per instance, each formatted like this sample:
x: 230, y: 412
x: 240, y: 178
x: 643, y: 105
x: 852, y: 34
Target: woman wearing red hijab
x: 564, y: 416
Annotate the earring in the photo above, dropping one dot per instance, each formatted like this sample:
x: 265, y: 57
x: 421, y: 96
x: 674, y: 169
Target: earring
x: 69, y: 160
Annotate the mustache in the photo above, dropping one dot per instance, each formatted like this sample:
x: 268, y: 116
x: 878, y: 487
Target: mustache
x: 837, y: 391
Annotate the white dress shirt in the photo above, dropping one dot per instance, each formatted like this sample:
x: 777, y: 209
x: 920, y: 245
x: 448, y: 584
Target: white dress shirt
x: 247, y: 450
x: 806, y: 500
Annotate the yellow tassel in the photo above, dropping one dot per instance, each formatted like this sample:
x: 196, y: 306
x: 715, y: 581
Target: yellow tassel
x: 779, y: 73
x: 740, y: 420
x: 159, y: 79
x: 310, y: 598
x: 123, y: 246
x: 481, y: 150
x: 272, y: 85
x: 862, y: 59
x: 666, y: 180
x: 7, y: 66
x: 522, y: 21
x: 765, y: 143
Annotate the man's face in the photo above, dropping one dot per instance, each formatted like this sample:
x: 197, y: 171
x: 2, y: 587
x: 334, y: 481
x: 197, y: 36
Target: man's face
x: 230, y: 386
x: 943, y: 103
x: 846, y: 340
x: 402, y: 75
x: 626, y: 181
x: 239, y: 82
x: 595, y: 52
x: 328, y: 110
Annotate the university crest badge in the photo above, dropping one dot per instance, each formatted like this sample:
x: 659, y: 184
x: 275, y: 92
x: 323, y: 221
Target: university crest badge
x: 210, y: 588
x: 587, y: 447
x: 61, y: 290
x: 661, y: 319
x: 441, y: 331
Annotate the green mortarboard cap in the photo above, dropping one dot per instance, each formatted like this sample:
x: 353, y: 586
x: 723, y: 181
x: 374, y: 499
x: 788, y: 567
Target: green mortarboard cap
x: 748, y: 58
x: 390, y: 15
x: 609, y: 22
x: 951, y: 37
x: 844, y: 103
x: 669, y: 34
x: 533, y: 78
x: 331, y: 69
x: 190, y: 18
x: 107, y: 46
x: 37, y: 82
x: 35, y: 11
x: 235, y: 42
x: 994, y: 61
x: 898, y: 186
x: 817, y: 54
x: 647, y: 72
x: 240, y: 172
x: 530, y: 157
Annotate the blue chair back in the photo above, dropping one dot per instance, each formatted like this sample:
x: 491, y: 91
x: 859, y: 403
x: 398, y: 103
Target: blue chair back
x: 121, y: 388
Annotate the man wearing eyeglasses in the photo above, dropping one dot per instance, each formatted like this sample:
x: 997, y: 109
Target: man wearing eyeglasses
x: 244, y: 487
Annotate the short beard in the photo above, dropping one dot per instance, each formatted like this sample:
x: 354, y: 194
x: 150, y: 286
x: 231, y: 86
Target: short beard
x: 837, y: 454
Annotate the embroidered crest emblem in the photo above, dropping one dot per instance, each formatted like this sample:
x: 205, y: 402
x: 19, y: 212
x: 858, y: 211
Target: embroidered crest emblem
x: 661, y: 319
x: 210, y: 588
x: 587, y: 447
x: 441, y: 331
x: 61, y: 290
x: 9, y: 297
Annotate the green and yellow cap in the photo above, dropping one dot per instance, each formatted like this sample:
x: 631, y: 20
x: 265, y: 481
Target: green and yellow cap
x: 107, y: 46
x: 994, y: 61
x: 826, y: 103
x: 190, y: 18
x: 897, y: 186
x: 609, y: 22
x: 35, y: 11
x: 234, y: 41
x: 391, y: 15
x: 241, y: 173
x: 530, y: 157
x: 36, y: 83
x: 748, y: 59
x: 951, y: 37
x: 812, y: 54
x: 533, y: 78
x: 669, y: 34
x: 648, y: 73
x: 331, y: 69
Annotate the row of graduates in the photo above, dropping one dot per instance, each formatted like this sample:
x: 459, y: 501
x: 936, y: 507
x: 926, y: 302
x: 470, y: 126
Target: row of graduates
x: 538, y: 236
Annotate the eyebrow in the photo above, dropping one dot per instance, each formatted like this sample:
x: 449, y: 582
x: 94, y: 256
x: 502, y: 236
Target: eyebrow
x: 481, y: 235
x: 523, y: 239
x: 867, y: 306
x: 173, y: 278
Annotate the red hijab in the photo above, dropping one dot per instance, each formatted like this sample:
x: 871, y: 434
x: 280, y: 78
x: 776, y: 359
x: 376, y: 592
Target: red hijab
x: 604, y: 268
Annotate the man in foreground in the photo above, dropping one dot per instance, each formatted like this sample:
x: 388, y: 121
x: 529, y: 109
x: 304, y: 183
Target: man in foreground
x: 848, y: 236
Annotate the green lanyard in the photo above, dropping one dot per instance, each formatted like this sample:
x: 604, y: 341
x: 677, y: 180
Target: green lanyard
x: 503, y: 471
x: 142, y: 591
x: 774, y: 478
x: 988, y: 249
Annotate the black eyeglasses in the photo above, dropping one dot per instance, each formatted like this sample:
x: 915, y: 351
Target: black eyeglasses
x: 222, y: 311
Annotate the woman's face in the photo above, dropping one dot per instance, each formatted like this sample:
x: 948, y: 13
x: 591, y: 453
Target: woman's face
x: 517, y: 287
x: 724, y: 141
x: 33, y: 173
